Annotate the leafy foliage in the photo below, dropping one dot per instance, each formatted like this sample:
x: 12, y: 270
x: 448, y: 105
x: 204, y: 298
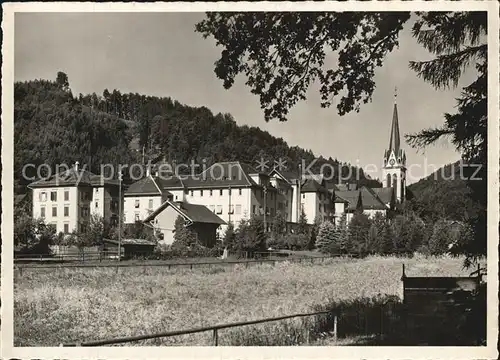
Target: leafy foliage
x: 359, y: 228
x: 281, y: 54
x: 32, y: 235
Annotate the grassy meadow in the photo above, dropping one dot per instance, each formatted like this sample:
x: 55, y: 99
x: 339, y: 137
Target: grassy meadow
x: 54, y: 306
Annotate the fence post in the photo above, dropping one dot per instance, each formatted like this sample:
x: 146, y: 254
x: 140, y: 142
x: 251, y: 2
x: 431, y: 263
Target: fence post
x: 216, y: 338
x: 335, y: 328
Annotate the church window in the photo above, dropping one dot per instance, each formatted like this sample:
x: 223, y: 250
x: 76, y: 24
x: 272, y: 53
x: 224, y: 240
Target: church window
x: 388, y: 180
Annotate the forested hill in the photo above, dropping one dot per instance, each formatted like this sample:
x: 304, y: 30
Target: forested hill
x: 53, y: 126
x: 443, y: 194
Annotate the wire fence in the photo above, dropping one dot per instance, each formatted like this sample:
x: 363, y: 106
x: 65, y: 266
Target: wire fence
x: 171, y: 265
x: 215, y: 330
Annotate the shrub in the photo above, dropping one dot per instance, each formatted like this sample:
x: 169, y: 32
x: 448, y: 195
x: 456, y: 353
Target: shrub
x: 296, y: 241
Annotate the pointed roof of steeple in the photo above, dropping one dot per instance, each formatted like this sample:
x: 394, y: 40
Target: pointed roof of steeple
x: 394, y: 141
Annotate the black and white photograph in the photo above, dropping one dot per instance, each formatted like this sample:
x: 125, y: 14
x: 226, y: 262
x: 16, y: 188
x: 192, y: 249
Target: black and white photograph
x: 264, y: 178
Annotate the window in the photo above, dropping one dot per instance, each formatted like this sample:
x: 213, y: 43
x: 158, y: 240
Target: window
x: 150, y: 205
x: 137, y: 218
x: 176, y: 197
x: 66, y: 195
x: 66, y: 211
x: 229, y: 191
x: 66, y: 228
x: 239, y: 191
x: 43, y: 196
x: 211, y: 192
x: 192, y: 192
x: 220, y: 192
x: 84, y: 211
x: 254, y: 209
x: 53, y: 196
x: 82, y: 227
x: 303, y: 196
x: 54, y: 211
x: 231, y: 209
x: 42, y: 212
x: 201, y: 192
x: 238, y: 209
x: 219, y: 209
x: 137, y: 202
x: 96, y: 204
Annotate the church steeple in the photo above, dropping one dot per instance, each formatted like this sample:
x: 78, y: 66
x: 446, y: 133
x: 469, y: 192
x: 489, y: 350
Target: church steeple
x: 394, y: 141
x: 394, y: 171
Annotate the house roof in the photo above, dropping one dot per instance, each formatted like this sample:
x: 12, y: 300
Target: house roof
x: 73, y: 177
x: 192, y: 212
x: 223, y: 174
x: 289, y: 176
x: 369, y: 199
x: 384, y: 194
x: 150, y: 185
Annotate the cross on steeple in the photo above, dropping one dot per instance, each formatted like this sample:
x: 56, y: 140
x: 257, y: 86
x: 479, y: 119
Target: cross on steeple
x: 395, y: 94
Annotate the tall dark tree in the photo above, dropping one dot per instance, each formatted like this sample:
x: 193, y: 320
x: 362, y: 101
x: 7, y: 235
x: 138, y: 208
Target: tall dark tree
x: 62, y: 81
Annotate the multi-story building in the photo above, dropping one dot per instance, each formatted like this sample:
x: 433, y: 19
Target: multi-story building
x: 68, y: 200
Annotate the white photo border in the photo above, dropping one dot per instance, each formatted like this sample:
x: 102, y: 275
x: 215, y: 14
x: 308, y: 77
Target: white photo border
x: 486, y: 352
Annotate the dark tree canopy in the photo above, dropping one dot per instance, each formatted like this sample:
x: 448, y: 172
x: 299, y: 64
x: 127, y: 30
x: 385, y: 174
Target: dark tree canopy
x: 281, y: 54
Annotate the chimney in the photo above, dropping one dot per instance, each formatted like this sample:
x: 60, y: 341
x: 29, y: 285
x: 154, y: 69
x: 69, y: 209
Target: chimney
x: 77, y: 166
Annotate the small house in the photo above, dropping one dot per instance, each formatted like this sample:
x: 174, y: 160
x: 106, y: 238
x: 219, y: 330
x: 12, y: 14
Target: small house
x: 198, y: 217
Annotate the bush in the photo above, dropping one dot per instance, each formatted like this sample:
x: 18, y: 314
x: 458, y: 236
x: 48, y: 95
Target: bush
x: 297, y: 241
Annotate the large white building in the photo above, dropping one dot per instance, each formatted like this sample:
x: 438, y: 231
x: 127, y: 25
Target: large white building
x: 68, y: 200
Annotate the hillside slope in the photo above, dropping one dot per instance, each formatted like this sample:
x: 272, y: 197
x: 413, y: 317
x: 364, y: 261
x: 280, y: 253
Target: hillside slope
x: 54, y: 127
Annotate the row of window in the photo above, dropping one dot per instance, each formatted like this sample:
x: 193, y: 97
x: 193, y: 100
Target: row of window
x: 137, y: 204
x: 84, y: 195
x: 84, y: 211
x: 211, y: 192
x: 233, y: 209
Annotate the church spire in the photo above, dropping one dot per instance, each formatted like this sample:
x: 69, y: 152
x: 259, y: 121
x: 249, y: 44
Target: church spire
x: 394, y: 142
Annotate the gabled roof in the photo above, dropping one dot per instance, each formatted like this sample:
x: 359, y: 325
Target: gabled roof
x: 192, y: 212
x: 289, y: 176
x: 150, y: 185
x: 73, y: 177
x: 369, y: 200
x: 384, y: 194
x: 223, y: 174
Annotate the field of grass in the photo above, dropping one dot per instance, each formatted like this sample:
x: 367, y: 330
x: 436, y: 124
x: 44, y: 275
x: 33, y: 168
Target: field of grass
x: 54, y: 306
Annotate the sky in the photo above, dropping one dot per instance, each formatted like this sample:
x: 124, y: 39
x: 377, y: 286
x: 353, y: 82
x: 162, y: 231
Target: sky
x: 160, y: 54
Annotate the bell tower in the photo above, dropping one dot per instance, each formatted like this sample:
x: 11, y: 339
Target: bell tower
x: 394, y: 170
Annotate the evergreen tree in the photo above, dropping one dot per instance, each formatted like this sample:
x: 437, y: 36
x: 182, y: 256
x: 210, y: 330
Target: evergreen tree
x: 328, y: 239
x: 185, y: 239
x: 250, y: 236
x: 359, y: 227
x: 229, y: 236
x: 343, y: 235
x: 303, y: 227
x: 314, y: 233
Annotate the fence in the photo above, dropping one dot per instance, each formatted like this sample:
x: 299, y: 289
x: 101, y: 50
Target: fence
x: 171, y: 265
x: 215, y: 329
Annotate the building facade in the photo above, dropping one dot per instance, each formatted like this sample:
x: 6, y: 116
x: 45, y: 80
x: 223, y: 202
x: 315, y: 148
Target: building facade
x: 68, y: 200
